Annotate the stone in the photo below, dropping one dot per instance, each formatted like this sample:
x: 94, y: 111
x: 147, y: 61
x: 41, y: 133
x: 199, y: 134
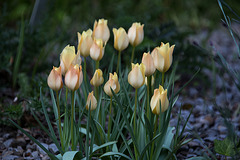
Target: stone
x: 53, y: 148
x: 8, y: 142
x: 9, y: 157
x: 34, y: 154
x: 41, y: 151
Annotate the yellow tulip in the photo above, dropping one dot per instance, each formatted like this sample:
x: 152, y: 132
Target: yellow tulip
x: 91, y: 100
x: 147, y: 60
x: 136, y: 77
x: 136, y: 34
x: 162, y: 57
x: 160, y: 95
x: 68, y: 58
x: 112, y: 83
x: 55, y: 79
x: 85, y: 42
x: 74, y: 77
x: 121, y: 40
x: 101, y: 30
x: 97, y: 79
x: 97, y: 50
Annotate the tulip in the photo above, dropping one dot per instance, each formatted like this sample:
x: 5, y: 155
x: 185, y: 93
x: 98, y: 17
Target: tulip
x: 91, y: 100
x: 136, y: 77
x: 121, y: 40
x: 147, y: 60
x: 101, y: 30
x: 68, y: 58
x: 162, y: 57
x: 97, y: 79
x: 85, y: 42
x: 136, y: 34
x: 113, y: 84
x: 160, y: 95
x: 97, y: 50
x: 55, y: 79
x: 74, y: 77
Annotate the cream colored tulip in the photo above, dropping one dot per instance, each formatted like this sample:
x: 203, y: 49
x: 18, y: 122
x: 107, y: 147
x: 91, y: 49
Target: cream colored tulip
x: 152, y: 81
x: 91, y: 100
x: 160, y: 95
x: 136, y: 76
x: 147, y: 60
x: 68, y: 58
x: 162, y: 57
x: 112, y: 83
x: 97, y: 50
x: 97, y: 79
x: 101, y: 30
x: 121, y: 40
x: 55, y: 79
x: 136, y: 34
x: 74, y: 77
x: 85, y: 42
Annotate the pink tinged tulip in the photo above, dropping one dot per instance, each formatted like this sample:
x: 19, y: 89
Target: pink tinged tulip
x: 121, y: 40
x: 113, y: 84
x: 85, y: 42
x: 147, y: 60
x: 91, y: 100
x: 74, y: 77
x: 97, y: 50
x: 101, y: 30
x: 97, y: 79
x: 55, y: 79
x: 136, y: 34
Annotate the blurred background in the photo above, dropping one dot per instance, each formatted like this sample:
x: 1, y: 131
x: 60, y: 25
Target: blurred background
x: 33, y: 34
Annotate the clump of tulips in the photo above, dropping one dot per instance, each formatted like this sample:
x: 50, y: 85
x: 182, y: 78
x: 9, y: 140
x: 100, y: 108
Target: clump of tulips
x: 109, y: 122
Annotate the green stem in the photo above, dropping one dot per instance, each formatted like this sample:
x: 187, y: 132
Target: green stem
x: 109, y: 119
x: 59, y: 121
x: 148, y: 96
x: 97, y: 65
x: 88, y: 131
x: 118, y: 62
x: 134, y: 123
x: 132, y: 57
x: 72, y: 116
x: 163, y: 79
x: 154, y: 134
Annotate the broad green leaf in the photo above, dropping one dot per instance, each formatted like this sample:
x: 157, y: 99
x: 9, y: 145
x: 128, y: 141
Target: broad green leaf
x: 71, y: 155
x: 115, y: 154
x: 224, y: 147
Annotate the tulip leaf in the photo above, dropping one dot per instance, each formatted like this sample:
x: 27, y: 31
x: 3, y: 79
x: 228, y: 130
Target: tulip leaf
x: 71, y: 155
x: 115, y: 154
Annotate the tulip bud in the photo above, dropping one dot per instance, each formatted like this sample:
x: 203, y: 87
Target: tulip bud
x: 136, y: 34
x: 74, y: 77
x: 55, y: 79
x: 85, y: 42
x: 68, y: 57
x: 152, y: 81
x: 160, y: 95
x: 101, y: 30
x: 112, y: 83
x: 91, y: 100
x: 162, y: 57
x: 121, y: 40
x: 136, y: 77
x: 97, y: 79
x: 147, y: 60
x: 97, y: 50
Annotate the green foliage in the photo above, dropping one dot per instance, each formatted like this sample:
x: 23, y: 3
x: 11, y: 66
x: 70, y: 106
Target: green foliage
x: 14, y: 111
x: 225, y: 147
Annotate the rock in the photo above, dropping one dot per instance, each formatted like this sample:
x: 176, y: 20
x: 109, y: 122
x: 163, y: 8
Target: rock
x: 53, y: 148
x: 27, y: 153
x: 34, y: 154
x: 41, y: 150
x: 18, y: 151
x: 8, y: 142
x: 6, y: 136
x: 9, y: 157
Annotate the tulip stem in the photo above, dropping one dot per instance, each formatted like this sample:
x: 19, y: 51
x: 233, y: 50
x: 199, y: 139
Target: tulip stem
x: 109, y: 119
x: 148, y: 96
x: 154, y: 134
x: 97, y: 65
x: 134, y: 123
x: 132, y: 58
x: 163, y: 79
x: 85, y: 75
x: 59, y: 121
x: 72, y: 116
x: 118, y: 62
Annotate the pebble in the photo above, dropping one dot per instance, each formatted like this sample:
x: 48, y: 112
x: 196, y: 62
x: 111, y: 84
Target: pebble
x: 53, y: 148
x: 41, y: 150
x: 8, y: 142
